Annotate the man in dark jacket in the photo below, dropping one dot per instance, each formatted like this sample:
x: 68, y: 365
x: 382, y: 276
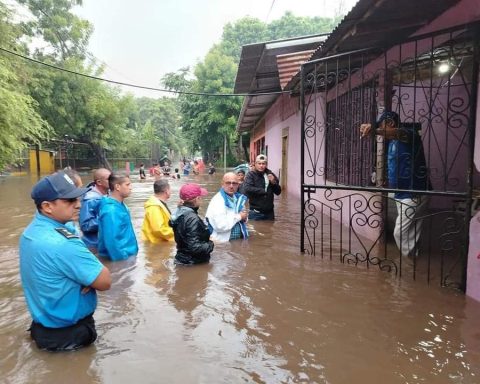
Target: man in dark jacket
x: 191, y: 233
x: 260, y: 185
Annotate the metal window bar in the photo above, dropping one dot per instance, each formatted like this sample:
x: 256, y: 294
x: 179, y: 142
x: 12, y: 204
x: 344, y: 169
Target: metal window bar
x: 347, y: 161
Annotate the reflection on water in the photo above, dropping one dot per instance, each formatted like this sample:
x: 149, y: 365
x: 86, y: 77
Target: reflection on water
x: 259, y: 312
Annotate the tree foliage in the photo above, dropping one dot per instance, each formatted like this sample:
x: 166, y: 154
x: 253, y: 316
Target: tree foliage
x: 54, y: 23
x: 60, y: 105
x: 156, y: 129
x: 39, y: 103
x: 20, y: 124
x: 208, y: 121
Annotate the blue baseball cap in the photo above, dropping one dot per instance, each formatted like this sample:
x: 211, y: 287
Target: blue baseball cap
x: 56, y: 186
x: 388, y: 115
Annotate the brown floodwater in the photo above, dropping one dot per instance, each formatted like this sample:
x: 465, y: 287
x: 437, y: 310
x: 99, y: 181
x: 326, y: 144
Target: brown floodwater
x: 259, y: 312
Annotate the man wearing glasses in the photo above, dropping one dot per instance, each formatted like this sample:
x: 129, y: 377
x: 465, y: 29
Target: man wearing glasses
x: 260, y: 185
x: 226, y: 214
x: 59, y: 274
x: 90, y: 207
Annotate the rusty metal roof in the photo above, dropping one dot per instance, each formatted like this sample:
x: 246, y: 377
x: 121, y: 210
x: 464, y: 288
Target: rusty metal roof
x: 289, y: 65
x: 258, y: 72
x: 370, y: 23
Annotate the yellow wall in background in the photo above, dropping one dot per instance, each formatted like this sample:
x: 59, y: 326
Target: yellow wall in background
x: 47, y: 161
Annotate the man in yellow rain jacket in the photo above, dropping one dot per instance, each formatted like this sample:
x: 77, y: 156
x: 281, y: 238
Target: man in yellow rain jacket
x: 155, y: 226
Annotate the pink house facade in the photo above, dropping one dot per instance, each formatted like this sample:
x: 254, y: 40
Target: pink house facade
x: 423, y: 64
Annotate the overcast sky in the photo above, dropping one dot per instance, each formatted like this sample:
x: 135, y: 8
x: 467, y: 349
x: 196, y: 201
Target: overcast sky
x: 141, y: 40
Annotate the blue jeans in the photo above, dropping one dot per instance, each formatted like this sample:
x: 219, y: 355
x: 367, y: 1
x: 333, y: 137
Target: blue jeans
x: 254, y: 214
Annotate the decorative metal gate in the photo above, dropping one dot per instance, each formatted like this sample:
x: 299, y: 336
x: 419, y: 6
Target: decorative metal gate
x: 349, y: 207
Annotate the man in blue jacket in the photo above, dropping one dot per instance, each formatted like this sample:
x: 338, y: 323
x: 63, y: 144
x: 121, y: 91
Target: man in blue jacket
x: 59, y: 274
x: 116, y: 237
x: 406, y: 171
x: 90, y: 204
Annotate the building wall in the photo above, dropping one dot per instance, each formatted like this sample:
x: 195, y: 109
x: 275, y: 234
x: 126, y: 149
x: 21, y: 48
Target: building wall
x: 284, y: 113
x: 473, y: 266
x: 257, y: 133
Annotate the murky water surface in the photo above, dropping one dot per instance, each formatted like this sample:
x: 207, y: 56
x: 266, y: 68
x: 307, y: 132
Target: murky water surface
x: 260, y: 312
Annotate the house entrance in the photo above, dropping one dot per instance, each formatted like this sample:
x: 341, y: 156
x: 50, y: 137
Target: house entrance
x: 350, y: 202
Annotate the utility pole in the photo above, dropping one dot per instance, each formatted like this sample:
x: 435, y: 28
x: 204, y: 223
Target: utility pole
x: 225, y: 153
x: 37, y: 157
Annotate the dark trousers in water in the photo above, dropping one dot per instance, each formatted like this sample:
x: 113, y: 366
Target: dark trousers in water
x: 253, y: 214
x: 65, y: 339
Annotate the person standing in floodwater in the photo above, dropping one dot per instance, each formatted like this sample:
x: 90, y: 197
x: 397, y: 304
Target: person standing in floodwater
x: 142, y: 171
x: 116, y: 237
x: 260, y: 185
x: 59, y: 274
x: 155, y: 227
x: 226, y: 214
x: 191, y: 233
x: 90, y: 207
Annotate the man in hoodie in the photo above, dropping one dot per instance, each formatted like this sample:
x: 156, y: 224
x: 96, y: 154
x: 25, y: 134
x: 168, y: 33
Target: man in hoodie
x: 191, y: 233
x: 260, y: 185
x: 226, y: 214
x: 89, y: 210
x: 155, y: 226
x: 116, y: 238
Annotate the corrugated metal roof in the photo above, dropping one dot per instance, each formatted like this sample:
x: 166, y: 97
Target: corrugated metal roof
x: 257, y: 69
x: 381, y: 23
x: 370, y: 23
x: 289, y: 65
x: 258, y: 72
x: 377, y: 23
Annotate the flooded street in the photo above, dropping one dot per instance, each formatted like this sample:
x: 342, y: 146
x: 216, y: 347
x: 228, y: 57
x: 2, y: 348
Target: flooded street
x: 259, y: 312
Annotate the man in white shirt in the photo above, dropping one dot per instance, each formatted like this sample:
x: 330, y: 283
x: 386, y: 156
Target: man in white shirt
x: 226, y: 214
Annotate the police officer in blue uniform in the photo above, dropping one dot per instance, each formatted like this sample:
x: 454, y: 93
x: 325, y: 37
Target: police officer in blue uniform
x: 59, y: 274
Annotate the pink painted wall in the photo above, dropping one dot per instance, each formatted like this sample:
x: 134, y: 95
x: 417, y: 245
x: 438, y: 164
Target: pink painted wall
x: 285, y: 114
x: 464, y: 12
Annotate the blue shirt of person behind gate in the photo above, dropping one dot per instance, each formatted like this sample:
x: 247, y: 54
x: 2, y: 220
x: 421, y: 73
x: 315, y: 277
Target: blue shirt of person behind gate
x: 407, y: 167
x: 53, y: 270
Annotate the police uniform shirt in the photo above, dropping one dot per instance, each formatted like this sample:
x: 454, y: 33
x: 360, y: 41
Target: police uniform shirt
x: 55, y: 266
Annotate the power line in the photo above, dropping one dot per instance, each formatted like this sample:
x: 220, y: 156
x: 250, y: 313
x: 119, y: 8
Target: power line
x: 271, y: 7
x: 139, y: 86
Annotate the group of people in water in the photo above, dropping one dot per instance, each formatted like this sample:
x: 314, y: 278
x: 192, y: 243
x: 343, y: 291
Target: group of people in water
x: 60, y: 260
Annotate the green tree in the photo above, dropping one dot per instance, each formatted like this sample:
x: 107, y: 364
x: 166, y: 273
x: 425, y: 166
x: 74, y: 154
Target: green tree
x: 20, y: 124
x: 160, y: 119
x: 247, y: 30
x: 292, y: 26
x: 84, y: 109
x: 54, y: 23
x: 207, y: 121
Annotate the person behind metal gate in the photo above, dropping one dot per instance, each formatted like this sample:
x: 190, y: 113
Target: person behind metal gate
x: 59, y: 274
x: 406, y: 170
